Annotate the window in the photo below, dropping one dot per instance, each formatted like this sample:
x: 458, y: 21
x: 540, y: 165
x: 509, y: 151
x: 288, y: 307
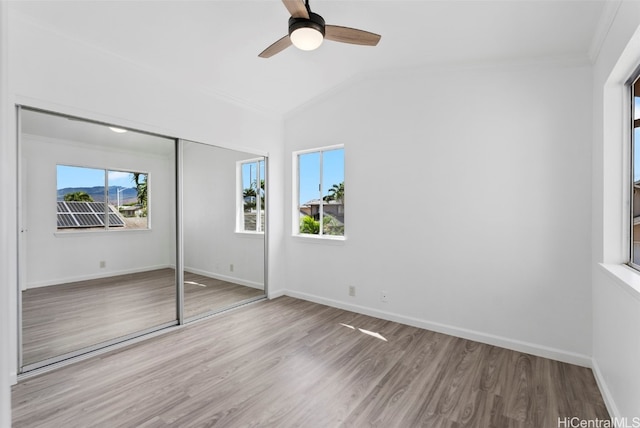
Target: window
x: 320, y: 197
x: 90, y: 199
x: 635, y: 172
x: 251, y: 212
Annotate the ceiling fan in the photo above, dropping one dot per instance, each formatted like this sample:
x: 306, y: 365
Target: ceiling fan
x: 307, y: 30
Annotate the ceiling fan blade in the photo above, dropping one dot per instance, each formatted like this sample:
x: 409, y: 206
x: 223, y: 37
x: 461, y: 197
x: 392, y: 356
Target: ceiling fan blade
x: 350, y: 35
x: 276, y: 47
x: 296, y: 8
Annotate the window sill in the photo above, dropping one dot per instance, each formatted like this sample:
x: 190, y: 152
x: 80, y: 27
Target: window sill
x: 248, y: 234
x: 324, y: 239
x: 627, y: 277
x: 97, y: 232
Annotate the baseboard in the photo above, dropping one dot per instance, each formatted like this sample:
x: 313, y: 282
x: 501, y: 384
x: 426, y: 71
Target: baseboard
x: 275, y: 294
x: 604, y: 390
x: 226, y: 278
x: 489, y: 339
x: 96, y: 276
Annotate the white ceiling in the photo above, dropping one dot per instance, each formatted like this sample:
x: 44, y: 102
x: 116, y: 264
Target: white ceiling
x: 214, y: 45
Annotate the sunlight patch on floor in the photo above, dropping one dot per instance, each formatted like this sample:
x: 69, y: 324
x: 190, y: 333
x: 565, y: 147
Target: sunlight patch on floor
x: 370, y: 333
x: 194, y: 283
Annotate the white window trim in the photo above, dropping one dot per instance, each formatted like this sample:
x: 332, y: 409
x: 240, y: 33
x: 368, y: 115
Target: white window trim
x: 240, y: 199
x: 628, y: 105
x: 295, y: 194
x: 613, y: 133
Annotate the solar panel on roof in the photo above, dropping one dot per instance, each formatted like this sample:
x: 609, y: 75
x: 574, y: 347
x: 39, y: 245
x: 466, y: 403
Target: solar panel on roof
x: 74, y: 214
x: 96, y: 207
x: 62, y: 208
x: 79, y: 207
x: 65, y: 220
x: 115, y: 220
x: 88, y: 220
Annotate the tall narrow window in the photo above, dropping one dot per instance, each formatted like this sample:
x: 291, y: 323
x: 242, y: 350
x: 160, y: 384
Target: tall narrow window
x: 635, y: 172
x: 90, y: 198
x: 320, y: 201
x: 251, y: 209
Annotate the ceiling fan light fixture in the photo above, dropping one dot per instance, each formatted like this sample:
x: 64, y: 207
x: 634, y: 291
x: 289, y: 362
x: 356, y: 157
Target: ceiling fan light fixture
x: 306, y: 38
x: 307, y: 34
x: 307, y: 30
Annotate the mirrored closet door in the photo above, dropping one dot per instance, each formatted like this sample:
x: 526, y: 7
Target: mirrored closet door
x: 224, y: 201
x: 123, y: 233
x: 97, y: 235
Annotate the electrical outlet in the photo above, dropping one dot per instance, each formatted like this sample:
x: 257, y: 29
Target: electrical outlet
x: 103, y: 264
x: 384, y: 296
x: 231, y: 267
x: 352, y: 290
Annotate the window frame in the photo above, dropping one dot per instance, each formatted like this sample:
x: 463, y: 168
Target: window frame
x: 106, y: 228
x: 633, y: 125
x: 240, y: 197
x: 295, y: 224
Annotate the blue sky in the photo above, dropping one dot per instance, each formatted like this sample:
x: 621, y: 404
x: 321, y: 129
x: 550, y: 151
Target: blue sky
x: 309, y: 167
x: 333, y: 173
x: 73, y: 176
x: 249, y: 173
x: 333, y: 165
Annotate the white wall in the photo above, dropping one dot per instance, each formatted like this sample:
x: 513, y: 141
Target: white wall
x: 211, y: 244
x: 468, y: 202
x: 616, y: 303
x: 50, y: 71
x: 53, y: 257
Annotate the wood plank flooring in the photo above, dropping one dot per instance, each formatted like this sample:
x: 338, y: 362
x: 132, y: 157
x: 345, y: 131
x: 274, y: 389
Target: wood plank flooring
x: 64, y: 318
x: 292, y: 363
x: 203, y: 294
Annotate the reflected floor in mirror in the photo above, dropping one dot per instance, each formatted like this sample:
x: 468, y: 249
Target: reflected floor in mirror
x: 67, y: 317
x: 204, y: 294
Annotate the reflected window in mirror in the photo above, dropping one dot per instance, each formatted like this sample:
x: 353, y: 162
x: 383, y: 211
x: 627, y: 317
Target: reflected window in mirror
x: 251, y: 196
x: 99, y: 199
x: 634, y: 225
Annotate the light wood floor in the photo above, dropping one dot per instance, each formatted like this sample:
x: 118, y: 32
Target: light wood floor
x: 291, y: 363
x: 64, y: 318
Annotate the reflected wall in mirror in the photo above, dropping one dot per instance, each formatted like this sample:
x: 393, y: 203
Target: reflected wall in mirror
x: 224, y: 204
x: 97, y: 243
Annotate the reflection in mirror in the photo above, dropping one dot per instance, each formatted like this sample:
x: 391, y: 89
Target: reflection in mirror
x: 97, y: 245
x: 252, y: 215
x: 80, y: 203
x: 223, y: 214
x: 635, y: 148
